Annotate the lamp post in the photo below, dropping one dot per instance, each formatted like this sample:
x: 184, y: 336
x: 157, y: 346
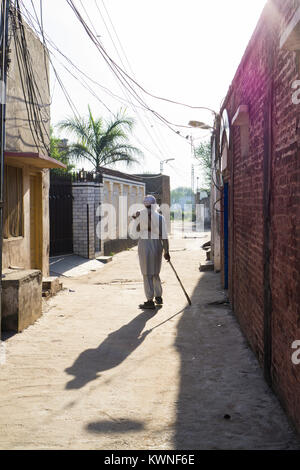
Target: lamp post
x: 193, y: 180
x: 164, y: 161
x: 200, y: 125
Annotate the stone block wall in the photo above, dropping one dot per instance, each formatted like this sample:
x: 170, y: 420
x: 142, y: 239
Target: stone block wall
x: 86, y: 201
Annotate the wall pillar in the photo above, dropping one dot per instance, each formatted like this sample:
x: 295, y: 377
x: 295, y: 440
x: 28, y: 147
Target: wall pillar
x: 86, y: 199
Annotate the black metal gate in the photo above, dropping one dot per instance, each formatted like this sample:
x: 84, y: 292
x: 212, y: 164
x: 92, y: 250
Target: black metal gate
x: 61, y: 214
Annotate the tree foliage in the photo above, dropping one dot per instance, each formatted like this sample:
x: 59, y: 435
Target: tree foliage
x: 182, y: 195
x: 101, y: 143
x: 203, y: 156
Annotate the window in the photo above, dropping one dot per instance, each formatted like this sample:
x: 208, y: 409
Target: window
x: 13, y: 202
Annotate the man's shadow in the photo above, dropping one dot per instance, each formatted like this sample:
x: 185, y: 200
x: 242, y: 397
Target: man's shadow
x: 111, y: 352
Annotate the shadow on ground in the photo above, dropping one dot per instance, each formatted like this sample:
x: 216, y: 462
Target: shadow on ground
x: 121, y: 426
x: 223, y: 400
x: 111, y: 352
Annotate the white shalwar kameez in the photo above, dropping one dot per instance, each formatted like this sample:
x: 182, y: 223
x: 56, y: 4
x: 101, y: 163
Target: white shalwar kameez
x: 150, y: 250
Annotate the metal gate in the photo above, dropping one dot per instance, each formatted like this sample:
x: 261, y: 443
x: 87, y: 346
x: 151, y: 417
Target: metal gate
x: 61, y: 214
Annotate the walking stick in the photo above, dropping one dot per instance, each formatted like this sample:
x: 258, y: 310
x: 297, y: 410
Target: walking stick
x: 185, y: 293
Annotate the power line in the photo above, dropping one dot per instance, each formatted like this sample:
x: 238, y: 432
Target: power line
x: 118, y: 71
x: 107, y: 58
x: 71, y: 3
x: 89, y: 78
x: 157, y: 133
x: 83, y: 83
x: 64, y: 90
x: 30, y: 19
x: 178, y: 172
x: 124, y: 89
x: 57, y: 77
x: 31, y: 91
x: 147, y: 109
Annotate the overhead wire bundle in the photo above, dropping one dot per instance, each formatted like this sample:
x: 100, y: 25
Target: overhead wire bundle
x: 36, y: 24
x: 125, y: 81
x: 38, y: 114
x: 123, y: 72
x: 128, y: 85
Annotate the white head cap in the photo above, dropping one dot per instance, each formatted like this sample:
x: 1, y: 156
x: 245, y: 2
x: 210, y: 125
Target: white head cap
x: 149, y: 200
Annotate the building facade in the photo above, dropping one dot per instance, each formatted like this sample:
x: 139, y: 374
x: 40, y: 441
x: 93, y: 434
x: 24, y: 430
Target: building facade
x: 256, y: 197
x: 27, y: 160
x: 158, y: 186
x: 102, y: 206
x: 25, y: 247
x: 126, y: 194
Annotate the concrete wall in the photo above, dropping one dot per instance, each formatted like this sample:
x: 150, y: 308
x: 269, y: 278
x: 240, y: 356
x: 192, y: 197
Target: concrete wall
x: 21, y: 299
x: 112, y: 190
x: 215, y: 215
x: 16, y: 251
x: 18, y: 134
x: 264, y: 186
x: 205, y: 202
x: 87, y: 226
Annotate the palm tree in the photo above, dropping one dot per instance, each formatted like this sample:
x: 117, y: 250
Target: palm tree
x: 99, y: 142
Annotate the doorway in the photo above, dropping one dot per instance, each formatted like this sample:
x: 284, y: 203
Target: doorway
x: 36, y: 222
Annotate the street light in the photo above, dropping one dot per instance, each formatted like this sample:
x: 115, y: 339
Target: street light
x: 165, y: 161
x: 200, y: 125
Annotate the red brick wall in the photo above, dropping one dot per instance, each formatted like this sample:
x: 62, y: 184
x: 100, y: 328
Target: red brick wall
x: 250, y: 86
x: 247, y: 192
x: 285, y: 233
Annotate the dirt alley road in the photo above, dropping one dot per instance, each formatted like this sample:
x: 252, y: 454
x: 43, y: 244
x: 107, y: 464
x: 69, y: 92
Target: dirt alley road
x: 95, y: 372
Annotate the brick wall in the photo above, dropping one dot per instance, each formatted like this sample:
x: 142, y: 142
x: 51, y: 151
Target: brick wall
x: 265, y: 192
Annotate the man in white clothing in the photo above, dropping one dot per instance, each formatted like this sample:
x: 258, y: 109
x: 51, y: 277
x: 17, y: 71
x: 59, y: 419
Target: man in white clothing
x: 153, y: 241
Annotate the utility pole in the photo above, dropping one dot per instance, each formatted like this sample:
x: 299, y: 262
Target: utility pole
x: 193, y: 169
x: 193, y: 193
x: 193, y: 179
x: 5, y: 4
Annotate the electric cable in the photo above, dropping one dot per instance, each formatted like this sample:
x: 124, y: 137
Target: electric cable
x: 143, y: 107
x: 157, y: 133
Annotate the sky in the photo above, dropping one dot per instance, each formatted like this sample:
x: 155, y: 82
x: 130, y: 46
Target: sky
x: 187, y: 51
